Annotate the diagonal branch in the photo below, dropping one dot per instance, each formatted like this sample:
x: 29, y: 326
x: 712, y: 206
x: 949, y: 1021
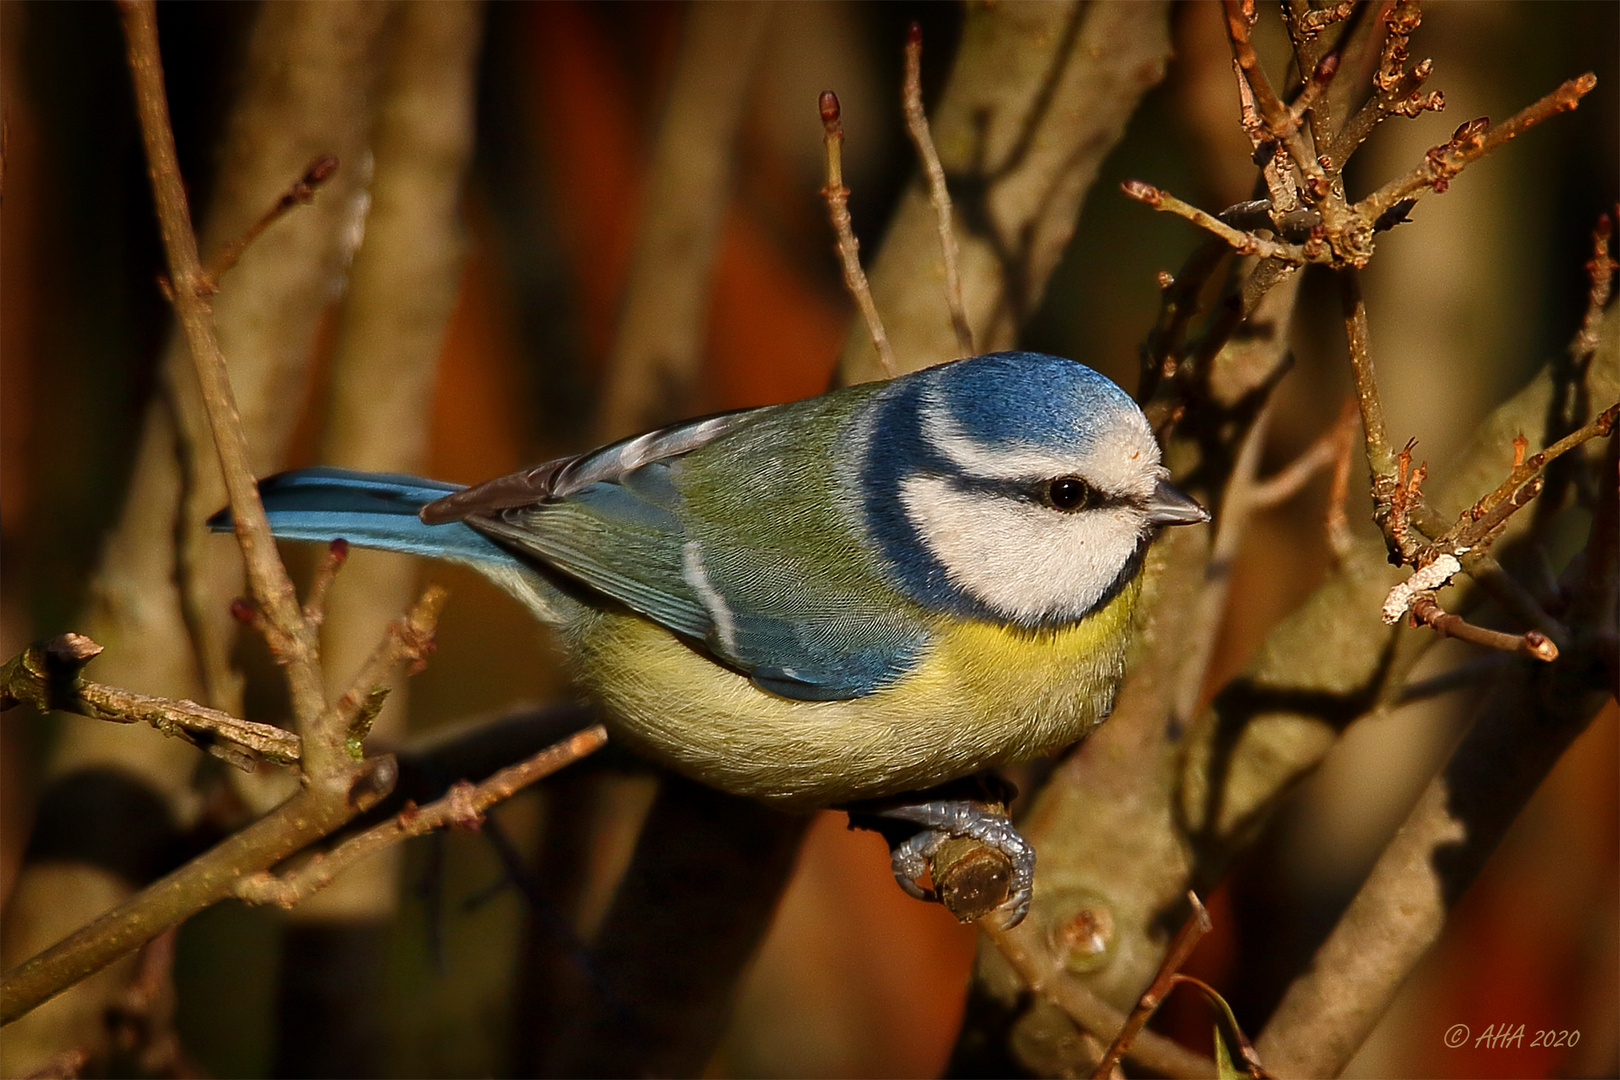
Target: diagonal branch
x: 293, y: 640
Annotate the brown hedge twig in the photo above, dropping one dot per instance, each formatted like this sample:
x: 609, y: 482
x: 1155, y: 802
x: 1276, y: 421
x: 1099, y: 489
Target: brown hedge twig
x: 1244, y: 243
x: 411, y: 638
x: 1323, y: 454
x: 1480, y: 523
x: 47, y: 676
x: 849, y: 247
x: 938, y: 193
x: 462, y: 806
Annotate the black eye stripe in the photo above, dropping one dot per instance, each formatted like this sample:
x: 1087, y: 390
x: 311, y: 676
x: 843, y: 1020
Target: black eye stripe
x: 1039, y: 491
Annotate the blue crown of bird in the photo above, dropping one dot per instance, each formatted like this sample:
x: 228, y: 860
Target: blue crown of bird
x: 853, y: 597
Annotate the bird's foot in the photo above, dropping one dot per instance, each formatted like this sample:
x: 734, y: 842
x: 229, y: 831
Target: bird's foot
x: 946, y: 820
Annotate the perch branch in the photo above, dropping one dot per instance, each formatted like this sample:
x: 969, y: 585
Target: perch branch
x: 938, y: 193
x: 849, y: 248
x: 462, y: 806
x: 46, y: 675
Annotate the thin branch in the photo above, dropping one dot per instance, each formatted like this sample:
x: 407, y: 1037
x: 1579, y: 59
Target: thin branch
x: 1280, y: 123
x: 1178, y: 303
x: 46, y: 675
x: 1426, y: 611
x: 938, y: 193
x: 1047, y: 980
x: 1181, y: 947
x: 302, y: 191
x: 411, y: 638
x: 1244, y: 243
x: 462, y: 806
x: 849, y: 248
x: 294, y: 640
x: 1600, y: 272
x: 337, y: 553
x: 1469, y: 143
x: 1480, y: 523
x: 1245, y: 1047
x: 1396, y: 88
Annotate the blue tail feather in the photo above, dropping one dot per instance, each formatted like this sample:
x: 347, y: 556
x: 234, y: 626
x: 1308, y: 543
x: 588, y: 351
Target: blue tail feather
x: 373, y: 510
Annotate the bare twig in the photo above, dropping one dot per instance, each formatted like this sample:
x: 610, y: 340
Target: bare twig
x: 1469, y: 143
x: 46, y: 675
x: 1181, y: 947
x: 302, y: 191
x: 1600, y: 272
x: 293, y: 640
x: 337, y: 553
x: 938, y: 193
x: 1178, y: 303
x: 849, y: 248
x: 1244, y: 243
x: 1486, y: 518
x: 1280, y: 123
x: 411, y: 638
x: 1426, y: 611
x: 1040, y: 972
x: 462, y: 806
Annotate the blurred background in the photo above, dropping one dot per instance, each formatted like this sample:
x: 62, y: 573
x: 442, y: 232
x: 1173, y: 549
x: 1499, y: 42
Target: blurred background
x: 854, y: 978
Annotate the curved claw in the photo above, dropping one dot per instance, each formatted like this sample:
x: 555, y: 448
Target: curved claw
x: 944, y: 820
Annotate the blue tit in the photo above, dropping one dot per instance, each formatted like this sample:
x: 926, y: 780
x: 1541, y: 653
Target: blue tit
x: 863, y: 594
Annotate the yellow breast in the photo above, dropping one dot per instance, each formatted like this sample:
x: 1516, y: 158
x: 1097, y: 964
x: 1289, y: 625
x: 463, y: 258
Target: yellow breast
x: 983, y: 695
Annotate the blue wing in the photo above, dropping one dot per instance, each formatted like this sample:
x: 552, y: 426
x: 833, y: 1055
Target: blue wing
x: 733, y: 532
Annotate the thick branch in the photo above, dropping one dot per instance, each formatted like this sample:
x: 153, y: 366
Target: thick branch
x: 306, y: 817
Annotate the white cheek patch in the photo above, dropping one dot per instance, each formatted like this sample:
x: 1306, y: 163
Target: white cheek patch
x: 1026, y: 561
x: 1123, y: 460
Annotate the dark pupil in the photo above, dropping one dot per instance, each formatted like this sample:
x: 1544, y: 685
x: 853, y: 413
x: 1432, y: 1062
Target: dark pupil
x: 1068, y: 493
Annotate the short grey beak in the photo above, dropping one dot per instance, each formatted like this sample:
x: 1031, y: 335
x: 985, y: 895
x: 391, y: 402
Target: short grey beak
x: 1167, y: 506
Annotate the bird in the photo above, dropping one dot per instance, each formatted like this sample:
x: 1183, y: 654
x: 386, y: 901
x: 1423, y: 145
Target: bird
x: 843, y: 601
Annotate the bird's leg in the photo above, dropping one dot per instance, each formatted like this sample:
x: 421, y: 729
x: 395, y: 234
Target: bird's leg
x: 944, y: 815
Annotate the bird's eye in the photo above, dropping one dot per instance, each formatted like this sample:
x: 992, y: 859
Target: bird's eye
x: 1068, y: 493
